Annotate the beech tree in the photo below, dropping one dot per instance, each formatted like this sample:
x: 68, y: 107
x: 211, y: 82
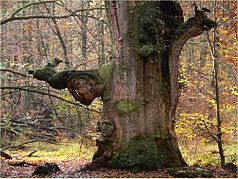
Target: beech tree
x: 139, y: 88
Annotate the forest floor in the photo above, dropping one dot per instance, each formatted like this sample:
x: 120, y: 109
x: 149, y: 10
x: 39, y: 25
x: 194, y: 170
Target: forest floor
x: 72, y: 169
x: 72, y: 156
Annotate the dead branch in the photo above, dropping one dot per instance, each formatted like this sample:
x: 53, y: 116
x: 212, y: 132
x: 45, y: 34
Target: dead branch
x: 41, y: 92
x: 21, y: 163
x: 31, y: 153
x: 74, y: 13
x: 14, y: 72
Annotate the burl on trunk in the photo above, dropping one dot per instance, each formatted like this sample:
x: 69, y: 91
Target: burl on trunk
x: 139, y: 88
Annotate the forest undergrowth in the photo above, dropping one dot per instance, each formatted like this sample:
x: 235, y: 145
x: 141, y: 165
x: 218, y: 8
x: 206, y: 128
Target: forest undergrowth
x: 72, y: 156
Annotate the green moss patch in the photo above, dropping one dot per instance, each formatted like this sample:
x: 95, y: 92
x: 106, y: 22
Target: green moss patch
x: 140, y: 155
x: 147, y: 28
x: 126, y: 106
x: 146, y: 50
x: 105, y: 72
x: 44, y: 73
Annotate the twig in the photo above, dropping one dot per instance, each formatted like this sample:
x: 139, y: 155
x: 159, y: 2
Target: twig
x: 21, y: 163
x: 32, y: 4
x: 30, y: 154
x: 40, y: 92
x: 14, y: 72
x: 74, y: 13
x: 211, y: 134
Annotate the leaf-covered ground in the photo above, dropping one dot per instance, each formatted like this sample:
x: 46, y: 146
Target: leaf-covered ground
x: 72, y: 168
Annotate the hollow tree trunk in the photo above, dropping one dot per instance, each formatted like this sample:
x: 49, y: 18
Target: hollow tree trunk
x: 139, y: 105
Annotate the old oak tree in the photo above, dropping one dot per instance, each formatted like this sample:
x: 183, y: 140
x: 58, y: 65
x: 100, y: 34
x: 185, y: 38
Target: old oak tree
x: 139, y: 88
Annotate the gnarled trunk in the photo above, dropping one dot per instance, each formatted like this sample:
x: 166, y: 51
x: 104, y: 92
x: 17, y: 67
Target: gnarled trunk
x: 140, y: 88
x: 139, y: 105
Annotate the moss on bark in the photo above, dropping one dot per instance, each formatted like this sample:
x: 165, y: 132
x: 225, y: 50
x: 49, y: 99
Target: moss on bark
x: 85, y: 86
x: 139, y: 154
x: 126, y: 106
x: 105, y: 72
x: 147, y: 28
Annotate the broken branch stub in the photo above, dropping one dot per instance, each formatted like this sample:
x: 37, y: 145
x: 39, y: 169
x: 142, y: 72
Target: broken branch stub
x: 85, y: 86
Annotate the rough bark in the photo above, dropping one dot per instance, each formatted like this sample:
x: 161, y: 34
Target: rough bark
x: 142, y: 99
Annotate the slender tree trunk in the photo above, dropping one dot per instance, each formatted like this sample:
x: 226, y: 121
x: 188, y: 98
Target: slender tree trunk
x: 84, y: 33
x: 218, y: 116
x: 60, y: 37
x: 101, y: 47
x: 215, y: 57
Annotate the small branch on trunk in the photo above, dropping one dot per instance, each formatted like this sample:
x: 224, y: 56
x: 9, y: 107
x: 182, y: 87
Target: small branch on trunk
x: 85, y: 86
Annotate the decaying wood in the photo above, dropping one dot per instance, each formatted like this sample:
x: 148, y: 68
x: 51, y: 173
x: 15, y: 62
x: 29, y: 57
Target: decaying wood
x: 84, y: 86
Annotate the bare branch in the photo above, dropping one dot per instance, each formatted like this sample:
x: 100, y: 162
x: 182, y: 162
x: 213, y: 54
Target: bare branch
x: 74, y: 13
x: 14, y: 72
x: 43, y: 93
x: 210, y: 133
x: 32, y: 4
